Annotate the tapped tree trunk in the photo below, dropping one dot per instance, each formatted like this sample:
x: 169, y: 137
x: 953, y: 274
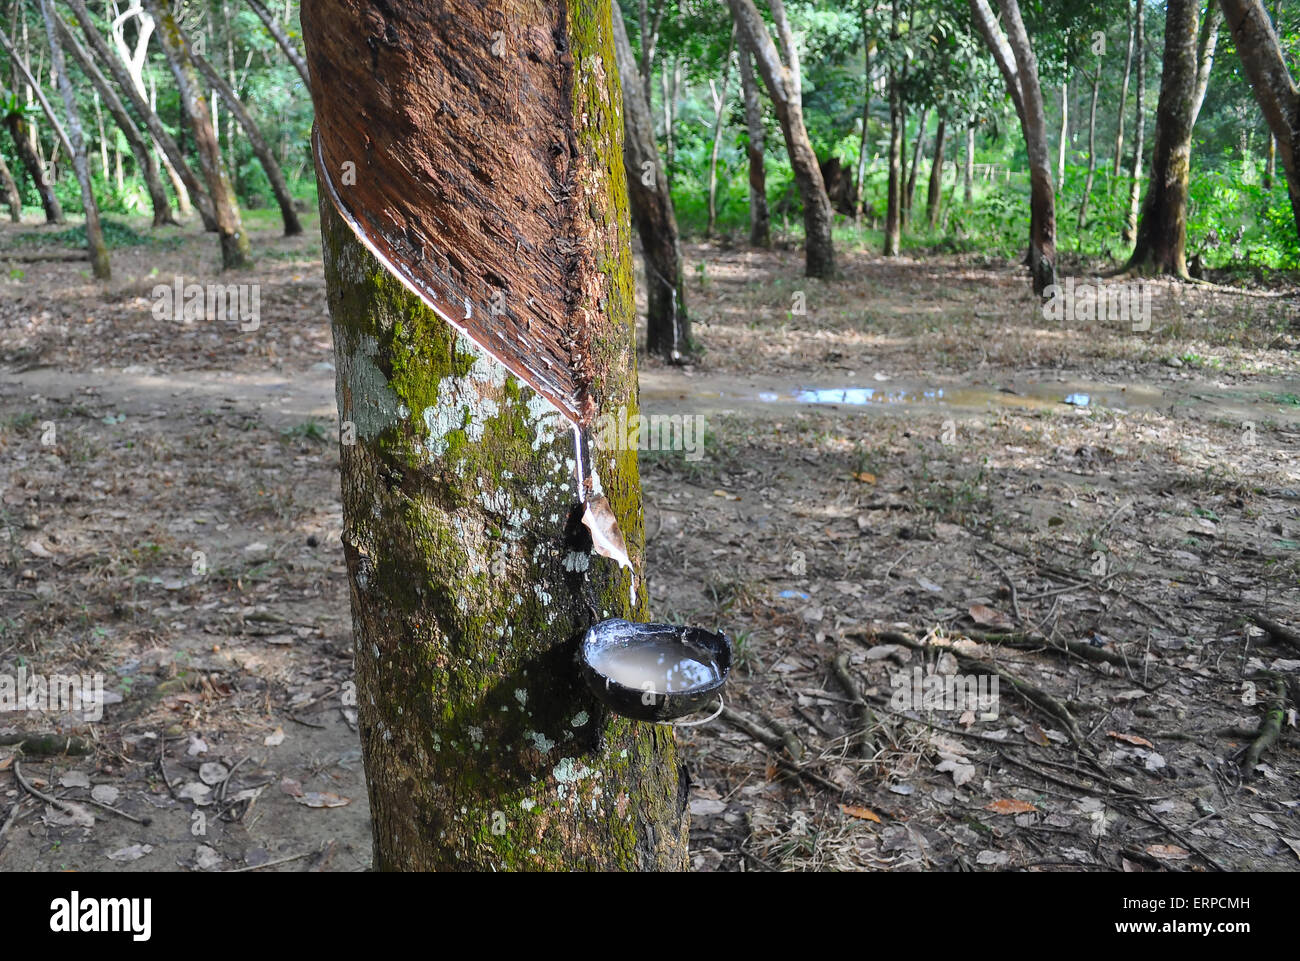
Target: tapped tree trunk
x: 162, y: 213
x: 668, y: 329
x: 235, y: 252
x: 933, y: 193
x: 483, y: 750
x: 1139, y: 124
x: 1161, y: 246
x: 760, y: 221
x: 184, y: 180
x: 95, y: 245
x: 780, y: 72
x: 1275, y: 90
x: 13, y: 199
x: 292, y: 226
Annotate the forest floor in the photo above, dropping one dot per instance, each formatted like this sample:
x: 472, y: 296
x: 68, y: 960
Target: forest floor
x: 891, y: 480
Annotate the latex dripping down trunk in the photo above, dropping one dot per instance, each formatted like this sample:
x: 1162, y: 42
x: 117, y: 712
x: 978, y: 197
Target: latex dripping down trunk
x: 528, y: 343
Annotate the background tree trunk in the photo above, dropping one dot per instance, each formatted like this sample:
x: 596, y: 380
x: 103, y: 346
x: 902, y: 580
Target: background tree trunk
x: 292, y: 226
x: 277, y: 33
x: 13, y: 199
x: 1065, y: 135
x: 76, y: 137
x: 1092, y: 149
x: 482, y: 748
x: 21, y: 134
x: 933, y: 193
x: 1123, y: 98
x: 1266, y: 68
x: 162, y: 213
x: 719, y: 109
x: 783, y: 84
x: 760, y: 221
x: 1161, y: 246
x: 860, y: 175
x: 1139, y: 124
x: 668, y: 329
x: 171, y: 151
x: 915, y: 165
x: 235, y: 252
x: 968, y: 179
x: 894, y: 203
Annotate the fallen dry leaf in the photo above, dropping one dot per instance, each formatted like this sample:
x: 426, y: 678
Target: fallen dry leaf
x: 864, y: 814
x: 1010, y: 806
x: 322, y: 799
x: 987, y: 617
x: 864, y: 477
x: 1130, y: 739
x: 1168, y: 852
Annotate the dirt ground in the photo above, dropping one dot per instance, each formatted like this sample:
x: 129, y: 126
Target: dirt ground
x: 891, y: 480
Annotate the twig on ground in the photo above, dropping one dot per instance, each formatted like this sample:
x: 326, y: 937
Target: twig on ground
x: 1269, y: 729
x: 840, y: 667
x: 1279, y: 632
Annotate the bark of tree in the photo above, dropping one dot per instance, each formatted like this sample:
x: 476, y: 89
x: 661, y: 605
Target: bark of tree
x: 262, y: 150
x: 1275, y: 90
x: 933, y: 193
x: 915, y: 165
x: 893, y: 206
x: 968, y: 179
x: 1161, y: 246
x: 1092, y: 149
x: 860, y: 177
x: 13, y: 199
x: 1139, y: 123
x: 1065, y: 135
x: 277, y: 33
x: 171, y: 151
x: 760, y: 220
x: 719, y: 108
x: 1123, y: 98
x: 668, y: 329
x: 1019, y: 67
x: 1206, y: 46
x: 162, y: 213
x: 235, y: 253
x: 483, y: 750
x: 21, y: 134
x: 780, y: 73
x: 649, y: 40
x: 95, y: 246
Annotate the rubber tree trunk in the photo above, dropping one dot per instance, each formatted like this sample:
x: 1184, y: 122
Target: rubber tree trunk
x: 95, y: 245
x: 1275, y: 90
x: 968, y: 180
x: 933, y: 193
x: 262, y: 150
x: 175, y: 158
x: 162, y: 213
x: 668, y: 328
x: 13, y: 199
x: 235, y: 252
x: 760, y: 220
x: 915, y: 165
x: 780, y: 73
x: 483, y: 751
x: 1139, y: 123
x: 1065, y: 135
x: 860, y: 174
x: 21, y: 134
x: 1161, y: 246
x: 276, y: 30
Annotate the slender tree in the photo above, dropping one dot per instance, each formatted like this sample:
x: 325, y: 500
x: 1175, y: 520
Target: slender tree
x: 668, y: 329
x: 1139, y: 123
x: 1275, y: 89
x: 933, y: 192
x: 21, y: 133
x: 483, y: 750
x: 261, y: 149
x: 162, y: 213
x: 760, y: 221
x: 719, y: 109
x: 780, y: 73
x: 1123, y: 98
x: 277, y: 32
x: 894, y: 201
x: 13, y: 199
x: 76, y: 139
x: 235, y: 251
x: 1092, y: 147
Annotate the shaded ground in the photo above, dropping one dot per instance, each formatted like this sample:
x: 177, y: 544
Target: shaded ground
x: 937, y: 492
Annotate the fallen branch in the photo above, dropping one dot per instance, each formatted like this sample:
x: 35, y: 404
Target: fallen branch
x: 840, y: 667
x: 1269, y: 729
x: 1279, y: 632
x: 47, y: 744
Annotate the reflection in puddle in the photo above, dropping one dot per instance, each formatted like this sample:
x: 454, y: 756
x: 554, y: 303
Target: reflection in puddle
x: 865, y: 395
